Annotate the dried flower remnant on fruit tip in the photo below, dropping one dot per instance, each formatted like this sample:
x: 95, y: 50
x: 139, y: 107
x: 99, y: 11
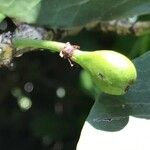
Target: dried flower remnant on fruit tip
x: 129, y: 85
x: 67, y: 51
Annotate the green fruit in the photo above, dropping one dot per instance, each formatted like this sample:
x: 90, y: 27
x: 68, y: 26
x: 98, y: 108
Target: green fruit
x: 112, y: 72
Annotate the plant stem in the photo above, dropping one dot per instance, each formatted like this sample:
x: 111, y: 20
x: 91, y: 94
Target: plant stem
x: 38, y: 44
x: 19, y: 46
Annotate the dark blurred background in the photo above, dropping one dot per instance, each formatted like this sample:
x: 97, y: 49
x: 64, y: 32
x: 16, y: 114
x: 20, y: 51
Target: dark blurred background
x: 44, y: 101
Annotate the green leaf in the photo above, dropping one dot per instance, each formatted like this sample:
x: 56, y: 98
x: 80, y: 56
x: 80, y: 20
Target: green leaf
x: 88, y: 85
x: 141, y: 46
x: 68, y: 13
x: 107, y: 114
x: 111, y: 113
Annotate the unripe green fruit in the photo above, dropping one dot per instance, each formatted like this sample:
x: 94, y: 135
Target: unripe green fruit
x: 112, y: 72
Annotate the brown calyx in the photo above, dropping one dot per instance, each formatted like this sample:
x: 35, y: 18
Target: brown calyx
x: 67, y: 51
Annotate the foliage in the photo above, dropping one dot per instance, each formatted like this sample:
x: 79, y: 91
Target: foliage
x: 60, y: 14
x: 45, y: 102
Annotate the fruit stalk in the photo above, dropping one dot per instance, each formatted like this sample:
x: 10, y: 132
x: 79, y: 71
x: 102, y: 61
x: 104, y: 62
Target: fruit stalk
x: 53, y: 46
